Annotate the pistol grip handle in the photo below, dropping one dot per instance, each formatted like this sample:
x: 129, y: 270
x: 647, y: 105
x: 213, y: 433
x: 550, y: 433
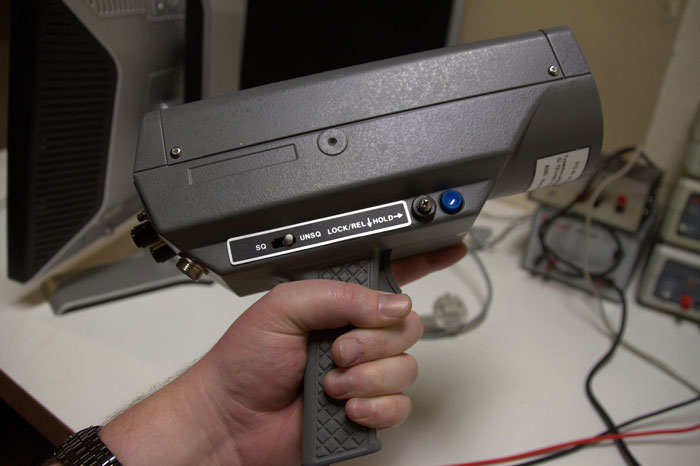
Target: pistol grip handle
x: 328, y: 435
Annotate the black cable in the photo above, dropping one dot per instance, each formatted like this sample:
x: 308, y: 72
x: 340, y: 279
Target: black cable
x: 619, y: 443
x: 612, y: 428
x: 575, y: 270
x: 659, y: 411
x: 642, y: 417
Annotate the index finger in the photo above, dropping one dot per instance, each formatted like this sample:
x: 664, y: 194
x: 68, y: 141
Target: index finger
x: 412, y: 268
x: 299, y: 307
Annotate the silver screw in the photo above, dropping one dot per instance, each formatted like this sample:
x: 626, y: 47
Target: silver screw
x: 425, y: 205
x: 554, y: 70
x: 175, y: 152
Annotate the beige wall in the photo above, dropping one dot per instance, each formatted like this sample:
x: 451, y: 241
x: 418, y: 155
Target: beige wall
x: 678, y: 104
x: 627, y: 44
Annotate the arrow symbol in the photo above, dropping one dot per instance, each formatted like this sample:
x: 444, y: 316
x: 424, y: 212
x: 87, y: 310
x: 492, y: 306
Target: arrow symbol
x: 369, y: 222
x: 399, y: 215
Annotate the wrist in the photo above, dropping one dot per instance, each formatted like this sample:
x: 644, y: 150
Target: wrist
x: 178, y: 425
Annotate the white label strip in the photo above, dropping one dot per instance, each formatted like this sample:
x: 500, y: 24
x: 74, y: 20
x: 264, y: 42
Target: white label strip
x: 560, y: 168
x: 319, y: 232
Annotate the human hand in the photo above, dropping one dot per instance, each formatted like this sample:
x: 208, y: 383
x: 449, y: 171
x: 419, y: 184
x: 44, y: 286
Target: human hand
x: 241, y: 404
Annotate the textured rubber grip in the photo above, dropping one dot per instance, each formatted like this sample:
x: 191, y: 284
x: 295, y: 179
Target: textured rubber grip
x: 328, y: 435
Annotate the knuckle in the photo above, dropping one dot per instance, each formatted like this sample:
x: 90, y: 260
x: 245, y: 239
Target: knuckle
x: 347, y: 293
x: 380, y: 342
x: 417, y: 325
x: 280, y: 290
x: 374, y: 379
x: 412, y: 366
x: 407, y: 406
x: 395, y: 408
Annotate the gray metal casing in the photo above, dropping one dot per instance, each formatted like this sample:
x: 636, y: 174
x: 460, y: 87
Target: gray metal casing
x: 475, y: 118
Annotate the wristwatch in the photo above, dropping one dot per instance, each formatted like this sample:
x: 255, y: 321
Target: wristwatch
x: 85, y: 448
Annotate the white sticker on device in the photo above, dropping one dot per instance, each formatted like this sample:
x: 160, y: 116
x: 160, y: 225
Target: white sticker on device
x: 560, y: 168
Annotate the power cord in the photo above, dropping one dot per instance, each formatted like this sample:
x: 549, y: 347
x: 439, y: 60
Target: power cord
x: 612, y: 431
x: 478, y: 244
x: 637, y: 154
x: 601, y: 278
x: 585, y: 272
x: 449, y: 314
x: 612, y: 428
x: 578, y: 272
x: 642, y: 417
x: 584, y: 441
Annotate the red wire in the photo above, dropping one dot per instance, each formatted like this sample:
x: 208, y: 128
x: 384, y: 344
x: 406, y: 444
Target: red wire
x: 583, y: 441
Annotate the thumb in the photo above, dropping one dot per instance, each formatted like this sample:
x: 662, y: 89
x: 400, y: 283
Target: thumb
x: 298, y: 307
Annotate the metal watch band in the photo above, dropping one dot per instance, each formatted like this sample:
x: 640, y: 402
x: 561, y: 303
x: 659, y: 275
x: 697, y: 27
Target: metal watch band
x: 85, y: 448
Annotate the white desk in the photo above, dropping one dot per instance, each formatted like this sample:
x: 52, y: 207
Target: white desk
x: 513, y: 384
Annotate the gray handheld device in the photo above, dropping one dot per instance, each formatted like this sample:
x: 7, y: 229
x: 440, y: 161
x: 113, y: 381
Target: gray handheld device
x: 331, y: 175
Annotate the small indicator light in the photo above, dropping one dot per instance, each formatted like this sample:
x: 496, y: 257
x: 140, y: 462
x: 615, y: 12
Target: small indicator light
x: 686, y: 302
x: 620, y: 203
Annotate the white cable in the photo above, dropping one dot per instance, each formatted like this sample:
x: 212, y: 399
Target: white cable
x: 433, y: 330
x: 507, y: 230
x: 594, y: 289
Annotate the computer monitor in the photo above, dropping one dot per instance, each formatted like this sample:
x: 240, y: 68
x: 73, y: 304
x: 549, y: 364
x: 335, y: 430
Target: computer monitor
x: 236, y: 44
x: 300, y: 38
x: 82, y: 74
x: 214, y: 36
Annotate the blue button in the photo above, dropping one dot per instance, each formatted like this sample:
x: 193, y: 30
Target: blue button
x: 451, y: 201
